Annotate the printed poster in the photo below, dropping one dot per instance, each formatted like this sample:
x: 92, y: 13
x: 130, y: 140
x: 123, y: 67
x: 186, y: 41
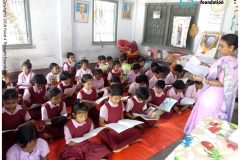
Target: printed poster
x: 180, y: 31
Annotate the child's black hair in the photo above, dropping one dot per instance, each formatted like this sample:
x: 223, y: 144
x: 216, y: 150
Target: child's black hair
x: 124, y: 55
x: 142, y: 93
x: 27, y: 64
x: 98, y: 71
x: 178, y: 68
x: 52, y: 65
x: 69, y: 54
x: 116, y: 90
x: 101, y: 57
x: 141, y: 78
x: 10, y: 94
x: 4, y: 72
x: 231, y: 39
x: 84, y: 60
x: 115, y: 79
x: 142, y: 59
x: 78, y: 106
x: 109, y: 58
x: 116, y: 62
x: 178, y: 84
x: 136, y: 66
x: 86, y: 77
x: 160, y: 84
x: 123, y: 59
x: 53, y: 91
x: 198, y: 82
x: 26, y: 134
x: 154, y: 64
x: 4, y: 84
x: 65, y: 75
x: 39, y: 79
x: 158, y: 70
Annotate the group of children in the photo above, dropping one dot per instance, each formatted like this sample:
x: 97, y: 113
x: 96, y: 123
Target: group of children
x: 145, y: 88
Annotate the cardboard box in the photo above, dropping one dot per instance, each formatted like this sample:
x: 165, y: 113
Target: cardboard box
x: 172, y: 57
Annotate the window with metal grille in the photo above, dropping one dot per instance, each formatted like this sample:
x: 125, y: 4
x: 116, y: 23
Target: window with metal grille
x: 18, y: 30
x: 105, y: 21
x: 158, y: 32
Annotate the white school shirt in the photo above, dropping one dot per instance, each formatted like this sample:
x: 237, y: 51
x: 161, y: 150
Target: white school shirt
x: 174, y: 95
x: 48, y: 77
x: 79, y: 95
x: 98, y: 84
x: 27, y: 94
x: 18, y: 107
x: 153, y: 81
x: 23, y: 78
x: 130, y: 104
x: 65, y: 66
x: 104, y: 110
x: 149, y: 74
x: 170, y: 79
x: 132, y: 88
x: 81, y: 72
x: 44, y: 110
x: 192, y: 92
x: 156, y: 94
x: 132, y: 76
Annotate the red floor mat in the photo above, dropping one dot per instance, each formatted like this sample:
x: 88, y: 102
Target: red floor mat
x: 154, y: 140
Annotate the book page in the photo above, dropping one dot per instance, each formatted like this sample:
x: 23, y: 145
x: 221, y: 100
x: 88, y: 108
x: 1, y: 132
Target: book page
x: 101, y: 90
x: 26, y: 123
x: 147, y: 66
x: 118, y: 127
x: 35, y: 106
x: 24, y: 84
x: 167, y: 104
x: 126, y: 68
x: 129, y: 122
x: 103, y: 67
x: 184, y: 80
x: 146, y: 117
x: 69, y: 91
x: 124, y: 98
x: 78, y: 140
x: 11, y: 130
x: 100, y: 100
x: 187, y: 100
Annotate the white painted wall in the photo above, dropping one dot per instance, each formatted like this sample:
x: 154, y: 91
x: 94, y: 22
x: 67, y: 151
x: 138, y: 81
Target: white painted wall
x: 46, y: 37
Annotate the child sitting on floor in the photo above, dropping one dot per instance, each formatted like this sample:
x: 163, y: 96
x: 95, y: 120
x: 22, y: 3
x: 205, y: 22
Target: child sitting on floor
x: 98, y: 81
x: 109, y: 62
x: 141, y: 80
x: 51, y: 109
x: 5, y: 77
x: 65, y: 78
x: 35, y: 94
x: 54, y: 71
x: 114, y: 80
x: 13, y: 115
x: 172, y: 76
x: 137, y: 104
x: 84, y: 70
x: 150, y: 73
x: 28, y: 145
x: 79, y: 125
x: 176, y: 93
x: 67, y: 66
x: 142, y: 62
x: 158, y: 73
x: 115, y: 71
x: 112, y: 112
x: 102, y: 60
x: 131, y: 76
x: 194, y: 91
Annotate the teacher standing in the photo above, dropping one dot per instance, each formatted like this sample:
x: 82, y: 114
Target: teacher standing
x: 220, y: 86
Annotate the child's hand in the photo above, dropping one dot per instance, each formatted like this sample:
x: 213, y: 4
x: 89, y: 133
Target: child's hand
x: 134, y: 116
x: 33, y: 123
x: 70, y: 70
x: 77, y: 79
x: 150, y: 104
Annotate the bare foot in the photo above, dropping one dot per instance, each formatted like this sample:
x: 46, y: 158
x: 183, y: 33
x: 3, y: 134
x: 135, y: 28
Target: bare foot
x: 119, y: 150
x: 179, y: 113
x: 156, y: 126
x: 138, y: 140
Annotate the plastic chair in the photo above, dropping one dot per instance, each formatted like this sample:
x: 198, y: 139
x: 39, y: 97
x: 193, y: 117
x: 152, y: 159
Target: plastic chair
x: 121, y: 44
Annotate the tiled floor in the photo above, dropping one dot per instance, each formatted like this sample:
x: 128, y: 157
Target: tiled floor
x: 164, y: 153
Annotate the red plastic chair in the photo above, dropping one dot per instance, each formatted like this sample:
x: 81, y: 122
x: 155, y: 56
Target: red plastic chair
x: 121, y: 44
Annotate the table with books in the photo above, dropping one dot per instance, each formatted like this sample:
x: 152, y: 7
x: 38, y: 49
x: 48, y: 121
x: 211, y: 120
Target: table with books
x: 212, y: 139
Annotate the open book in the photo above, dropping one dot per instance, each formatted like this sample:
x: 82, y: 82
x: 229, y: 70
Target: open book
x: 124, y: 98
x: 184, y: 80
x: 56, y: 119
x: 101, y: 90
x: 23, y: 85
x: 98, y: 101
x: 74, y: 65
x: 55, y: 79
x: 149, y: 114
x: 69, y: 91
x: 147, y: 66
x: 123, y: 125
x: 186, y: 101
x: 24, y: 124
x: 194, y: 66
x: 35, y: 106
x: 88, y: 135
x: 167, y: 104
x: 126, y: 68
x: 103, y: 67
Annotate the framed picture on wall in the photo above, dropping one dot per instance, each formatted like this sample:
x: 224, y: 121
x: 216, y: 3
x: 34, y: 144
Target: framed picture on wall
x: 127, y: 10
x: 81, y: 11
x: 208, y: 44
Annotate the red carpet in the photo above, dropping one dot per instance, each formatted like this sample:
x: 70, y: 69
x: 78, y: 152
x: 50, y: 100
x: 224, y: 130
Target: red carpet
x: 154, y: 140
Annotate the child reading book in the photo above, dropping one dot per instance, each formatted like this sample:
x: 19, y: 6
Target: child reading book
x: 142, y: 62
x: 114, y: 80
x: 150, y: 73
x: 102, y: 61
x: 66, y: 83
x: 84, y: 70
x: 53, y: 108
x: 5, y: 77
x: 67, y: 66
x: 176, y: 93
x: 157, y: 96
x: 141, y: 80
x: 134, y: 73
x: 35, y: 94
x: 194, y: 90
x: 28, y: 145
x: 89, y: 93
x: 158, y: 73
x: 98, y: 81
x: 51, y: 81
x: 79, y: 125
x: 137, y: 104
x: 172, y: 76
x: 115, y: 71
x: 13, y: 115
x: 4, y: 86
x: 112, y: 112
x: 109, y: 62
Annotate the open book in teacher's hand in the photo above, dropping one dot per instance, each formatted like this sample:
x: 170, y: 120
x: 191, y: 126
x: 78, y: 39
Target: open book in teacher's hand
x: 123, y: 125
x: 98, y: 101
x: 166, y: 105
x: 30, y: 122
x: 56, y: 119
x: 88, y: 135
